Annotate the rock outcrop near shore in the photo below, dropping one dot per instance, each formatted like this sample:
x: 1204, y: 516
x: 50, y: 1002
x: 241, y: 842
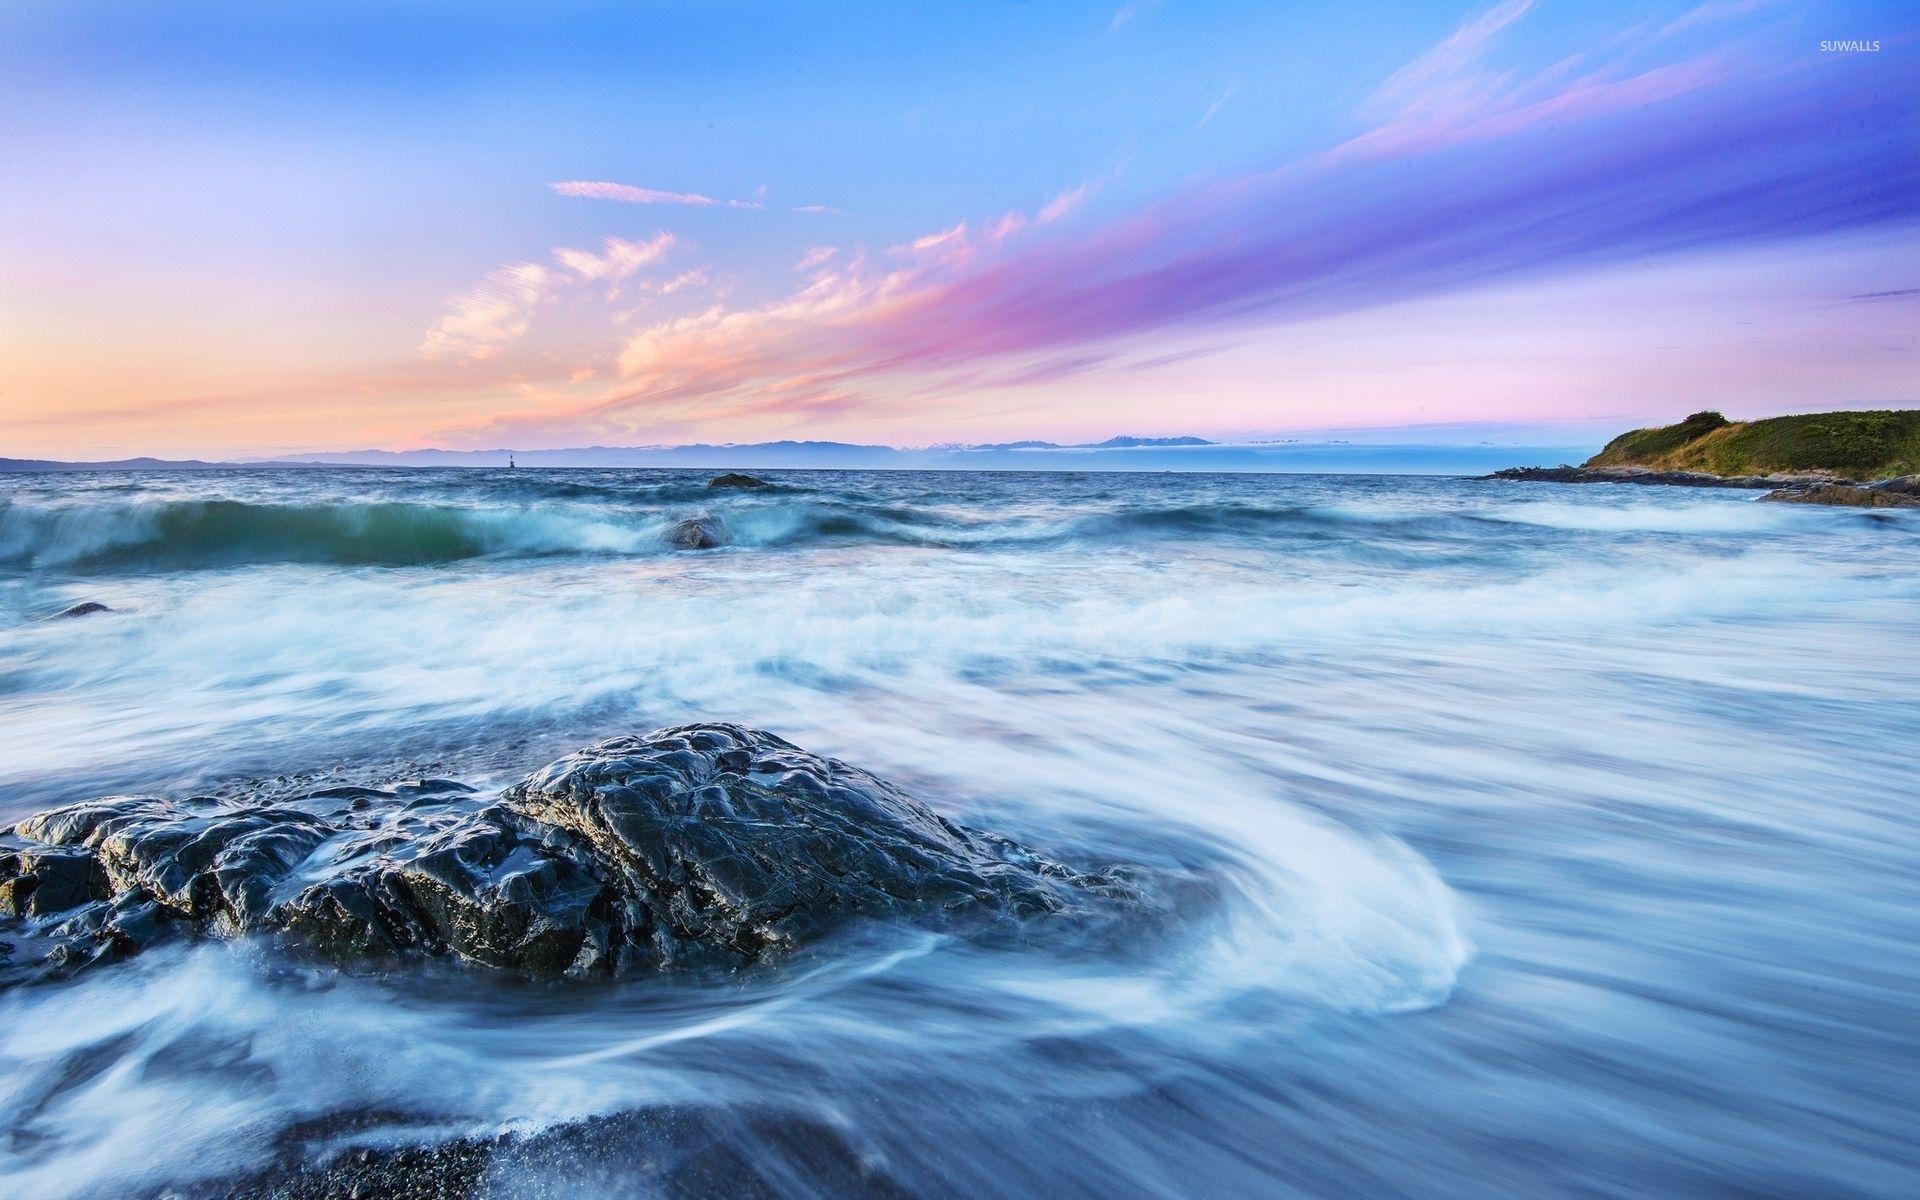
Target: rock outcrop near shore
x: 705, y: 844
x: 1819, y: 458
x: 1903, y: 492
x: 1852, y: 446
x: 1647, y: 475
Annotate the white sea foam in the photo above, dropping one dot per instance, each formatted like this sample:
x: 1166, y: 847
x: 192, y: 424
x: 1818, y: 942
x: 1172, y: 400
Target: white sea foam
x: 1584, y: 761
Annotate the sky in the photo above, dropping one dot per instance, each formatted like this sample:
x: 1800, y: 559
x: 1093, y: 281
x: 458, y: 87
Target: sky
x: 232, y: 229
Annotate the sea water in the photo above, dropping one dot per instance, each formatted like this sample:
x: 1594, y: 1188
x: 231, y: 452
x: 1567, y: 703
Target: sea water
x: 1560, y: 840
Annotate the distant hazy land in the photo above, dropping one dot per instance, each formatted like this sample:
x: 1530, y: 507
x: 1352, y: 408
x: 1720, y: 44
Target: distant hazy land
x: 1372, y: 453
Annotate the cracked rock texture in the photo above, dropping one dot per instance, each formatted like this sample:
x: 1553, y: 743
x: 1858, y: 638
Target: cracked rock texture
x: 704, y: 844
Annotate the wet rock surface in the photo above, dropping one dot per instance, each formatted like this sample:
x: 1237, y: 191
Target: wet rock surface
x: 1849, y: 495
x: 673, y: 1152
x: 698, y: 533
x: 1899, y: 492
x: 85, y: 609
x: 710, y: 845
x: 734, y: 479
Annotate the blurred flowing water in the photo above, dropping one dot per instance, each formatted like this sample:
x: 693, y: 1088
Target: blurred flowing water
x: 1564, y: 838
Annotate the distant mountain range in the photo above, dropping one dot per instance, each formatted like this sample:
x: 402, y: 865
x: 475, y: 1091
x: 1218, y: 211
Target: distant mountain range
x: 1112, y: 443
x: 22, y: 465
x: 1123, y: 453
x: 705, y: 454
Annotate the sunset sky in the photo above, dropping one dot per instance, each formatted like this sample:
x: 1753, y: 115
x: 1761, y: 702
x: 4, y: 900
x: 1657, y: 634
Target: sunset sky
x: 263, y: 228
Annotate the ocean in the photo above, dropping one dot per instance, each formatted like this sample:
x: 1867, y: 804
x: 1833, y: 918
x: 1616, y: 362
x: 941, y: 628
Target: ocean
x: 1556, y: 841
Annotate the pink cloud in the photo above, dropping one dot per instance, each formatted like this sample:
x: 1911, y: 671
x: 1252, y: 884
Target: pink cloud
x: 1004, y: 228
x: 944, y: 239
x: 1712, y: 13
x: 499, y: 309
x: 1440, y: 68
x: 817, y: 256
x: 1451, y: 95
x: 1470, y: 177
x: 1488, y: 118
x: 626, y: 193
x: 619, y: 258
x: 1062, y: 204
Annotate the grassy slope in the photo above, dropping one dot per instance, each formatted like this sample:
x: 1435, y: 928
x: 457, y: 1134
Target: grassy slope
x: 1857, y: 445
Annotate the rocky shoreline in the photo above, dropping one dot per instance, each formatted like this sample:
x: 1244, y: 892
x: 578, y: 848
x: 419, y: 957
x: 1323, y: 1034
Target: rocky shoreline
x: 1808, y: 488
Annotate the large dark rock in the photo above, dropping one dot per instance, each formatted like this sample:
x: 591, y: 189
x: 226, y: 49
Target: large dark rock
x: 698, y: 533
x: 705, y: 844
x: 733, y: 479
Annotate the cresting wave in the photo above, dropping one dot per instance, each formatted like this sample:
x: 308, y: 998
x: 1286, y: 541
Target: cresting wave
x: 188, y: 534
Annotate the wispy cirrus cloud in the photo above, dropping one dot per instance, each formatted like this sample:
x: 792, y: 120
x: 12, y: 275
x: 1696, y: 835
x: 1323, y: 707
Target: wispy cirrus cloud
x: 627, y: 193
x: 1469, y: 176
x: 1711, y: 13
x: 1441, y: 73
x: 1128, y: 12
x: 816, y: 256
x: 1062, y: 204
x: 1458, y: 92
x: 1213, y: 110
x: 500, y: 308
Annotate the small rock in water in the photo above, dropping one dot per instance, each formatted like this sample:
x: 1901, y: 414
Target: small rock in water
x: 85, y: 609
x: 733, y: 479
x: 713, y: 844
x: 698, y: 533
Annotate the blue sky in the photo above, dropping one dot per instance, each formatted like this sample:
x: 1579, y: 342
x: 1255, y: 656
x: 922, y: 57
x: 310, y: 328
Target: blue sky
x: 264, y: 228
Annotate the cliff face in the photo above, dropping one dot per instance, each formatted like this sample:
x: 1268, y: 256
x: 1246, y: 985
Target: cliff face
x: 1852, y: 445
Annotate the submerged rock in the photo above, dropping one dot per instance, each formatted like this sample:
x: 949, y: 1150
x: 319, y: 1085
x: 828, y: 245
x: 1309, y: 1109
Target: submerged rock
x: 85, y: 609
x: 743, y: 1151
x: 710, y: 844
x: 1849, y: 495
x: 733, y: 479
x: 698, y: 533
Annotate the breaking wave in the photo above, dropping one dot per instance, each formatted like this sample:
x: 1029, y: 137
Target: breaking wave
x: 188, y: 534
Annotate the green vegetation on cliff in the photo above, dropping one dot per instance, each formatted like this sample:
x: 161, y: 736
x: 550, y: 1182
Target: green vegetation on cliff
x: 1854, y: 445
